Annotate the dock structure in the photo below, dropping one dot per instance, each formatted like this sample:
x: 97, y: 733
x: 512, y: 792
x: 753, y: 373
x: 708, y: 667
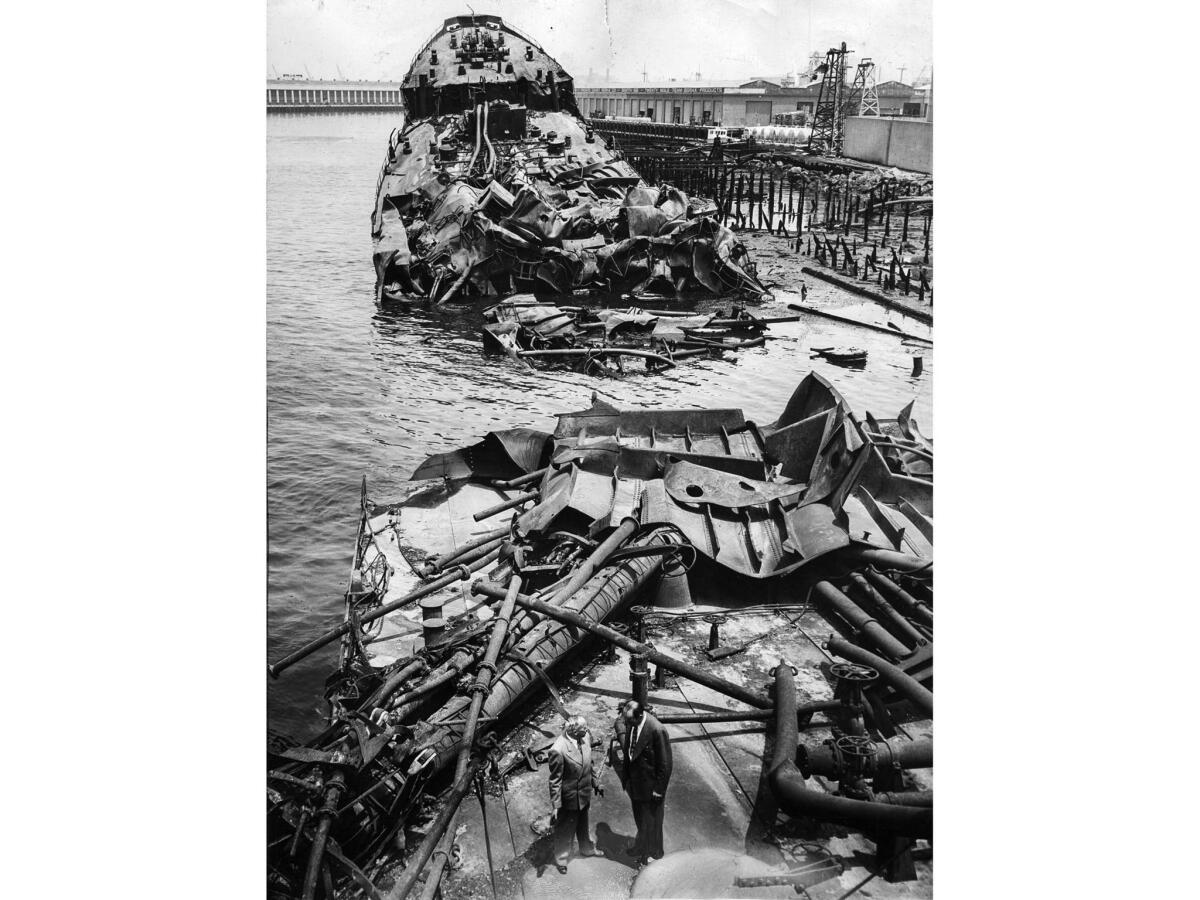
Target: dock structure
x: 320, y: 95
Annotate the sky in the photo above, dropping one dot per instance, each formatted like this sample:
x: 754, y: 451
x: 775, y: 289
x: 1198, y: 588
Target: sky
x: 720, y: 39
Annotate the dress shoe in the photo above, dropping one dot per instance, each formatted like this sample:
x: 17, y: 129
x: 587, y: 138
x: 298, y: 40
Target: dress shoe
x: 591, y: 851
x: 562, y: 870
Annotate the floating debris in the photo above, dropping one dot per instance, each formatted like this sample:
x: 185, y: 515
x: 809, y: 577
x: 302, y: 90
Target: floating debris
x: 451, y: 630
x: 601, y: 341
x: 853, y: 357
x: 496, y: 184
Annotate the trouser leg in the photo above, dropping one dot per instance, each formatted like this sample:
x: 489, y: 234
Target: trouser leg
x: 583, y: 832
x: 654, y: 828
x: 564, y: 830
x: 639, y: 841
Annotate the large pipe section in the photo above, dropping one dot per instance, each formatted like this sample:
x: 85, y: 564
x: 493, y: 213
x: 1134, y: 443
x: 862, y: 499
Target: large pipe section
x: 795, y: 798
x: 893, y: 676
x: 678, y: 666
x: 825, y: 760
x: 460, y: 573
x: 874, y: 633
x: 890, y: 559
x: 900, y: 628
x: 910, y: 605
x: 803, y: 711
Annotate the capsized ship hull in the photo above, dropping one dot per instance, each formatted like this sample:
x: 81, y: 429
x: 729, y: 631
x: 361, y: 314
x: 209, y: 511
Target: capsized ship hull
x: 496, y: 184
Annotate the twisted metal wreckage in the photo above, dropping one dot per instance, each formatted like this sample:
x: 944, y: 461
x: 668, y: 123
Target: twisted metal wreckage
x: 496, y: 184
x: 449, y: 635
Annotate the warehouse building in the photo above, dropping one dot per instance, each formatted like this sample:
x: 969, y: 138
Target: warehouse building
x: 760, y: 101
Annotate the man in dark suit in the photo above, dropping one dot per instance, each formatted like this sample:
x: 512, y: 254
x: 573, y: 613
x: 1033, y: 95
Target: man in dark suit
x: 641, y: 754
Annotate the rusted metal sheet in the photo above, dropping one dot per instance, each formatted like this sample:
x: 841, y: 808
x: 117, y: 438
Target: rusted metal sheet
x: 500, y: 455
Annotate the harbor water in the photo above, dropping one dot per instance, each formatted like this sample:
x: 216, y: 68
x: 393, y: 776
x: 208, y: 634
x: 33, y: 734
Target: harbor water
x: 354, y: 390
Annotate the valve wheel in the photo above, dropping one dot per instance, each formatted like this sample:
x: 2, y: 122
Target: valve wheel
x: 716, y: 619
x: 855, y: 746
x: 852, y: 672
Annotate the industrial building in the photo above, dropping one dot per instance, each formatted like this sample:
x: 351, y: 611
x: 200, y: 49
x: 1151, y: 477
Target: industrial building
x: 318, y: 94
x: 760, y: 101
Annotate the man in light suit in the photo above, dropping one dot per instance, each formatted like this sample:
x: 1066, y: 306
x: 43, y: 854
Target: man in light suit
x: 572, y: 783
x: 641, y: 754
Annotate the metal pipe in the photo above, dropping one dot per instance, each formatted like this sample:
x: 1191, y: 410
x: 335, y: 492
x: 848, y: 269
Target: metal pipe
x: 478, y: 117
x: 507, y: 504
x: 528, y: 478
x: 795, y: 798
x: 902, y: 598
x: 746, y: 715
x: 868, y: 325
x: 899, y: 680
x: 906, y: 798
x: 678, y: 666
x: 389, y: 687
x: 461, y: 573
x: 464, y: 771
x: 890, y: 559
x: 434, y: 879
x: 453, y: 668
x: 469, y: 556
x: 893, y: 621
x: 825, y: 760
x: 437, y: 829
x: 866, y: 626
x: 337, y: 781
x: 438, y: 563
x: 483, y: 677
x: 587, y: 569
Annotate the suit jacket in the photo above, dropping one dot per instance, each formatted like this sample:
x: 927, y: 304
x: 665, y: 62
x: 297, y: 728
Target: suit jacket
x: 645, y: 768
x: 572, y: 778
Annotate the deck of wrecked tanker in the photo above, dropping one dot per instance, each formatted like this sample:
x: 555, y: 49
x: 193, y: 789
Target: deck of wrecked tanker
x: 715, y: 786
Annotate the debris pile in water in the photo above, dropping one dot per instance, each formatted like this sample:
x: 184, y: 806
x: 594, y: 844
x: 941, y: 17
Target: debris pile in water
x: 600, y: 341
x: 496, y: 184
